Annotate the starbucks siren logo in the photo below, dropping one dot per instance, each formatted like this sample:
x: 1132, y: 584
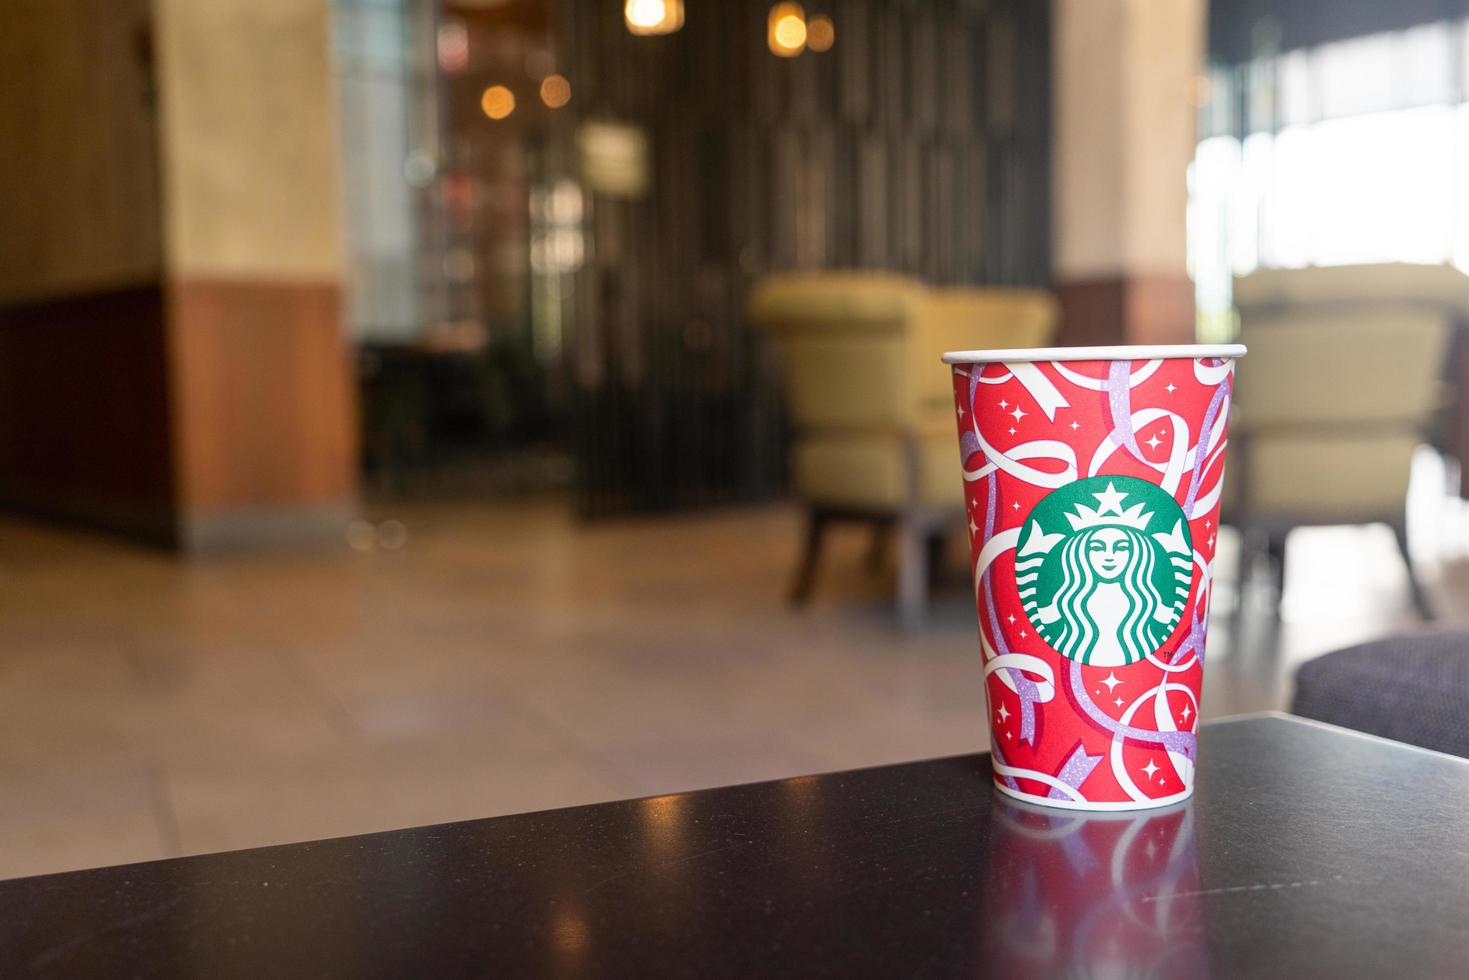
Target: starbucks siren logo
x: 1104, y: 567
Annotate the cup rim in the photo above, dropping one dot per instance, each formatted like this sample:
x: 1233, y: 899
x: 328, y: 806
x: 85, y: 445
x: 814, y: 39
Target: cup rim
x: 1138, y: 352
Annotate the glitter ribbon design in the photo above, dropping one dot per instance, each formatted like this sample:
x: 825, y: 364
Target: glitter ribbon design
x: 1184, y: 743
x: 1078, y: 766
x: 1211, y: 415
x: 1026, y: 688
x: 1119, y: 400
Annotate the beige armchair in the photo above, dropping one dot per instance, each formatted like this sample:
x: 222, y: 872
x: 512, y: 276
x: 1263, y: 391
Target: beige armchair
x: 1343, y: 381
x: 872, y: 406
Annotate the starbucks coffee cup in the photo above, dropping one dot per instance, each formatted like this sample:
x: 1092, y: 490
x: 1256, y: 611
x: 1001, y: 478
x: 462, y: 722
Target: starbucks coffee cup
x: 1092, y: 476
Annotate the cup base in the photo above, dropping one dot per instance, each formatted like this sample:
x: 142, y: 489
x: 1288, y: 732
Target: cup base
x: 1094, y: 807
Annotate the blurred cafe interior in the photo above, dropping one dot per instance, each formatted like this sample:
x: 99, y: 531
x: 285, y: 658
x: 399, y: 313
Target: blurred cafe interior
x: 417, y: 410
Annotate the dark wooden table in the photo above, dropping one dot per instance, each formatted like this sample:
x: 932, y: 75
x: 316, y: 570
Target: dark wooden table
x: 1307, y: 852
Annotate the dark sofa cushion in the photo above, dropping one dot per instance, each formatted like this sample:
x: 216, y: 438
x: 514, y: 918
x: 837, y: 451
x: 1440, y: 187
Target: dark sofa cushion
x: 1413, y: 689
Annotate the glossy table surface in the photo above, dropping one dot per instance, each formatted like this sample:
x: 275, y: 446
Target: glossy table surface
x: 1307, y: 851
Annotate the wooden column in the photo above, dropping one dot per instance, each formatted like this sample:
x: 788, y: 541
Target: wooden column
x: 1126, y: 76
x: 172, y: 364
x: 262, y: 406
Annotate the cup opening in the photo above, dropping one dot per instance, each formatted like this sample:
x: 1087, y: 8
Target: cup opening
x: 1139, y: 352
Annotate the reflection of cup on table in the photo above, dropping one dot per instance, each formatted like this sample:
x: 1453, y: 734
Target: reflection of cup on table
x: 1088, y: 894
x: 1092, y: 478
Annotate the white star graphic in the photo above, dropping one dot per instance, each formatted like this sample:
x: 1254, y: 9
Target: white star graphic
x: 1004, y: 404
x: 1171, y: 388
x: 961, y: 411
x: 1150, y: 768
x: 1206, y: 524
x: 1154, y: 442
x: 1211, y: 540
x: 1004, y: 714
x: 1023, y: 634
x: 1110, y: 499
x: 1012, y: 430
x: 1019, y: 413
x: 1075, y: 425
x: 1111, y: 681
x: 1009, y: 735
x: 1016, y: 505
x: 1118, y: 702
x: 1012, y: 617
x: 1186, y: 712
x: 973, y: 527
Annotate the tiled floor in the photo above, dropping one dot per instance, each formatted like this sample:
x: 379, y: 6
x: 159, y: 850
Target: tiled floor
x: 506, y: 658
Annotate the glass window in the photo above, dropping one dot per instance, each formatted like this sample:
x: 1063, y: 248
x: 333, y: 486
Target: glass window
x: 1357, y: 152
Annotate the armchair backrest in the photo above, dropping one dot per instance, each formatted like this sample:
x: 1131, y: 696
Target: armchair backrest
x: 844, y: 340
x: 1342, y: 383
x: 1378, y: 365
x: 1382, y: 283
x: 860, y: 350
x: 976, y: 318
x: 1347, y: 344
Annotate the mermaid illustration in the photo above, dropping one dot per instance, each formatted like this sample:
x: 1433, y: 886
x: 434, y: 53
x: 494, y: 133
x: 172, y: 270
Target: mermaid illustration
x: 1097, y: 597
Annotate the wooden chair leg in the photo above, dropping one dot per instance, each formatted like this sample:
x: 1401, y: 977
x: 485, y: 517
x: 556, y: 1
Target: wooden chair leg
x: 877, y: 546
x: 912, y: 573
x: 1275, y: 550
x: 937, y: 555
x: 1421, y: 602
x: 1244, y: 573
x: 816, y: 521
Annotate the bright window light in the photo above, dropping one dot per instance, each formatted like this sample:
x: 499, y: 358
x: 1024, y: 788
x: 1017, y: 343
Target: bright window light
x: 1367, y: 161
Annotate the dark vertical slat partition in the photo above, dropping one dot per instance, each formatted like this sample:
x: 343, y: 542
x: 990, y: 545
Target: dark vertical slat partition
x: 919, y: 143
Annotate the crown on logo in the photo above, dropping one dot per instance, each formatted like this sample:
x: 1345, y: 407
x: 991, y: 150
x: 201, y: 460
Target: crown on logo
x: 1109, y: 512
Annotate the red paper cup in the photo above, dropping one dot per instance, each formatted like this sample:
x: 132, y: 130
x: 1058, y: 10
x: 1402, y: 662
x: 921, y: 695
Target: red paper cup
x: 1092, y: 477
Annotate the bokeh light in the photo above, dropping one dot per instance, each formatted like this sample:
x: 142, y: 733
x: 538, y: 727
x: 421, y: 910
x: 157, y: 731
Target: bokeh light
x: 498, y: 102
x: 821, y: 33
x: 653, y: 16
x: 787, y: 30
x: 555, y: 91
x: 453, y: 47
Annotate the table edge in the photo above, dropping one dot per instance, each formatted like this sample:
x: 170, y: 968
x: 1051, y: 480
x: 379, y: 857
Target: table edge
x: 1254, y: 716
x: 1286, y: 716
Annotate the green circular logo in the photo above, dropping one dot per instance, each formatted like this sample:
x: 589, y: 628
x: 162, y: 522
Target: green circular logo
x: 1103, y: 568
